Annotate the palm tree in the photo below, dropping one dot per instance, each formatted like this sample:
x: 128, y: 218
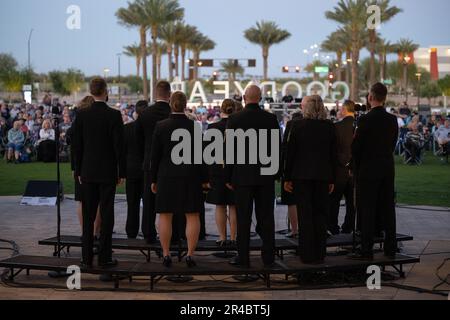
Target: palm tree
x: 160, y: 50
x: 266, y: 34
x: 405, y: 48
x: 134, y: 51
x: 352, y: 15
x: 135, y: 16
x: 169, y: 34
x: 386, y: 13
x: 383, y: 48
x: 200, y: 43
x: 179, y: 34
x: 334, y: 43
x: 159, y: 13
x: 186, y: 35
x: 232, y: 68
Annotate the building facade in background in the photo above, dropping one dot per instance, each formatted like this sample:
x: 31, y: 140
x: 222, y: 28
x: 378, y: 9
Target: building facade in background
x: 435, y: 59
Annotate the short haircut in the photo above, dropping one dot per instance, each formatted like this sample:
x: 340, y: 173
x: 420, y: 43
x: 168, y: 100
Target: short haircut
x: 349, y: 105
x: 379, y: 92
x: 141, y: 106
x: 178, y: 101
x: 228, y: 106
x: 163, y: 89
x: 98, y: 87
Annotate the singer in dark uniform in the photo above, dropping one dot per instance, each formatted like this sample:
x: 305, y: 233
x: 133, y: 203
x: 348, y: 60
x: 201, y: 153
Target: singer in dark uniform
x: 344, y: 183
x: 100, y: 166
x: 374, y: 169
x: 145, y: 126
x: 178, y: 185
x: 135, y: 175
x: 287, y: 198
x: 219, y: 195
x: 310, y: 175
x: 250, y: 185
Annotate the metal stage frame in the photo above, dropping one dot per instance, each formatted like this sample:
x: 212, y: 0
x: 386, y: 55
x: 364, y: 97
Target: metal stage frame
x: 281, y: 245
x: 156, y: 271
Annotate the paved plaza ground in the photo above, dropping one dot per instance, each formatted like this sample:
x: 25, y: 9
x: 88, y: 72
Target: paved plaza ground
x: 430, y: 227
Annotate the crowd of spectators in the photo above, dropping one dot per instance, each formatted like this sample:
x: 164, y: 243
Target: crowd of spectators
x: 24, y: 128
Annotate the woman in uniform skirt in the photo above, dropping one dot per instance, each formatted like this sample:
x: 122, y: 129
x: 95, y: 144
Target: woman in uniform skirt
x: 219, y: 194
x: 287, y: 198
x: 178, y: 185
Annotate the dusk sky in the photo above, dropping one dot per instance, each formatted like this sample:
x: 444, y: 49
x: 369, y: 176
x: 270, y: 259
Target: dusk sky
x: 95, y: 46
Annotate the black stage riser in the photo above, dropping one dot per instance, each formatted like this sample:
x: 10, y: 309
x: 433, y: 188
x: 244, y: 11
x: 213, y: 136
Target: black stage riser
x: 205, y: 268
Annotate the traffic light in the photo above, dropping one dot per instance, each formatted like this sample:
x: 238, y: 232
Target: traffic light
x: 297, y: 69
x: 331, y: 77
x: 285, y: 69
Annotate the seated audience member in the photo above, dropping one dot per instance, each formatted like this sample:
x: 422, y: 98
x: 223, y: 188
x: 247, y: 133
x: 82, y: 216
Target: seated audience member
x: 414, y: 143
x: 16, y: 139
x: 46, y: 143
x: 442, y: 136
x: 46, y: 133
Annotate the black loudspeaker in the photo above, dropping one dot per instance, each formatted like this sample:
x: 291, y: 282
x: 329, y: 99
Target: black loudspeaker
x: 41, y: 193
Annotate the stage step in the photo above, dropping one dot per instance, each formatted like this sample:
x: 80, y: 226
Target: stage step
x: 340, y: 240
x: 206, y: 267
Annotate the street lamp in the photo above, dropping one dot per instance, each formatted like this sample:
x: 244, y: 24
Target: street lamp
x: 105, y: 73
x: 118, y: 62
x: 406, y: 60
x: 419, y: 76
x: 29, y: 49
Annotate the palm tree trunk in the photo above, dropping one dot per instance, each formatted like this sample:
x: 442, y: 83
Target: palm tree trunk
x: 348, y: 57
x: 266, y: 62
x: 355, y: 72
x: 339, y: 69
x: 143, y: 34
x: 382, y: 70
x: 158, y: 66
x: 154, y: 58
x: 169, y: 62
x: 138, y: 66
x: 372, y: 43
x: 405, y: 81
x: 183, y: 63
x: 177, y: 65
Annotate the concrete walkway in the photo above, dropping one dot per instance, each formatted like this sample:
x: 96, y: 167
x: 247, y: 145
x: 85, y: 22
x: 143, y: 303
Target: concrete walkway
x: 27, y: 225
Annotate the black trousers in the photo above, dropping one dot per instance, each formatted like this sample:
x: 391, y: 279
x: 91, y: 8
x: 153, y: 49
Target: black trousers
x: 342, y: 188
x: 134, y: 190
x: 148, y: 214
x: 93, y: 196
x: 263, y: 198
x: 312, y: 208
x: 376, y: 203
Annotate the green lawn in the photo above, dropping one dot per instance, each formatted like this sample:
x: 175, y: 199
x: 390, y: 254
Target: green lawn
x: 428, y: 184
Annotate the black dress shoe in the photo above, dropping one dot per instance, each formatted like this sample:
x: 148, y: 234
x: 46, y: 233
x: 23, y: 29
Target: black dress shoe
x: 109, y: 264
x: 270, y: 265
x: 221, y: 243
x: 190, y: 262
x: 360, y: 256
x: 85, y: 265
x: 237, y: 263
x: 151, y: 241
x: 167, y: 262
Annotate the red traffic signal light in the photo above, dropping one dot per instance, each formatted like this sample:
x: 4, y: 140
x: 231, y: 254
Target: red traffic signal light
x: 331, y: 76
x: 285, y: 69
